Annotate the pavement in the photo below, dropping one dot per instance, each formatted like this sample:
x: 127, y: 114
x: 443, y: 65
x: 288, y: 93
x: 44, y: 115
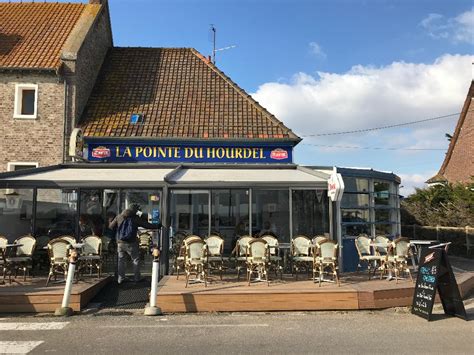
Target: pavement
x: 128, y: 331
x: 116, y: 324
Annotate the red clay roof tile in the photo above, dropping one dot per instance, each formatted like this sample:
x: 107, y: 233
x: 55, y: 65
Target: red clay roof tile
x: 180, y: 94
x: 33, y: 34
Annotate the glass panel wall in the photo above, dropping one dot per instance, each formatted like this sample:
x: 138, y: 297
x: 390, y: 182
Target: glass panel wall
x: 189, y: 212
x: 270, y: 213
x: 230, y: 215
x: 56, y: 211
x: 369, y: 206
x: 91, y: 217
x: 310, y: 210
x: 111, y: 207
x: 16, y: 209
x: 148, y: 200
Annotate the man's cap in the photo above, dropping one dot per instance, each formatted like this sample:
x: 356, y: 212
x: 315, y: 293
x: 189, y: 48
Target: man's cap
x: 135, y: 207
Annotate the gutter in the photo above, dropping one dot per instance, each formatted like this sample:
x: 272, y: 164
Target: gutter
x: 283, y: 141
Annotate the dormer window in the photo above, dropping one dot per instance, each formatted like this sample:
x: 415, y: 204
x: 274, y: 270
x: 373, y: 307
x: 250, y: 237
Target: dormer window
x: 26, y: 101
x: 136, y: 118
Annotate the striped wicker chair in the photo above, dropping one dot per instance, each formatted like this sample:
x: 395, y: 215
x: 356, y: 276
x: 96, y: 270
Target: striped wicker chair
x: 58, y: 250
x: 215, y: 257
x: 300, y: 252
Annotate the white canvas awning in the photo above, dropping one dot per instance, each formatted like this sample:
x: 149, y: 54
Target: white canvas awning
x: 248, y: 177
x: 87, y: 177
x: 131, y: 176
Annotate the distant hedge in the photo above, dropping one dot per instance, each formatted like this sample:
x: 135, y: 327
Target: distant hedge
x: 450, y: 205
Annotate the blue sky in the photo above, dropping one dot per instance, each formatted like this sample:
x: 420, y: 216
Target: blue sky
x: 329, y: 66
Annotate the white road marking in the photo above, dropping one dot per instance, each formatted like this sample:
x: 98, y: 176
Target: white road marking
x: 186, y: 326
x: 33, y: 326
x: 18, y: 347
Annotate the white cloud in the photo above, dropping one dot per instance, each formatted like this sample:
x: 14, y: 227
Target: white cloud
x: 368, y: 96
x: 411, y: 181
x: 317, y: 50
x: 459, y: 29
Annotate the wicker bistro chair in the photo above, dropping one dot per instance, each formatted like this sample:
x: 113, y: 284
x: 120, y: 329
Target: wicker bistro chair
x: 318, y: 238
x: 274, y: 252
x: 3, y: 245
x: 70, y: 239
x: 179, y: 261
x: 91, y: 256
x: 258, y: 259
x: 215, y: 249
x: 240, y: 253
x: 300, y: 252
x: 195, y: 261
x: 383, y: 240
x: 58, y: 250
x: 397, y: 258
x: 325, y: 259
x: 364, y: 250
x: 3, y: 242
x: 23, y: 259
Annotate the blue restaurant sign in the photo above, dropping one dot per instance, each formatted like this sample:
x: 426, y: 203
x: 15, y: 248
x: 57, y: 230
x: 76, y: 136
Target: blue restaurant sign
x: 155, y: 152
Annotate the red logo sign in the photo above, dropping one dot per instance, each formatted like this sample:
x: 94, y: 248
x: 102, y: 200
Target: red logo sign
x: 101, y: 152
x: 429, y: 257
x: 279, y: 154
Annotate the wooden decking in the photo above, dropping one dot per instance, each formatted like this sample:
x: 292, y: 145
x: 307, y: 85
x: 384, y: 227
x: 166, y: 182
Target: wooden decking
x: 33, y: 296
x: 356, y: 292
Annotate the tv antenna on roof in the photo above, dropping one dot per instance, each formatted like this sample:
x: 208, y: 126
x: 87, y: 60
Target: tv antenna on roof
x: 214, y: 50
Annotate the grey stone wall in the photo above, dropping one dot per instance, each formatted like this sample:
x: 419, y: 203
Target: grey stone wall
x: 32, y: 140
x: 43, y: 140
x: 89, y: 61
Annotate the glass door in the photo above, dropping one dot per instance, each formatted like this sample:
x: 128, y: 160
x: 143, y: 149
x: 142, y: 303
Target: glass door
x: 189, y: 212
x: 230, y: 215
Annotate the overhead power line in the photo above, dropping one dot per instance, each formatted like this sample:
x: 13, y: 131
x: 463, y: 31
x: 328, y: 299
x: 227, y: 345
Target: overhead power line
x: 382, y: 127
x: 369, y: 148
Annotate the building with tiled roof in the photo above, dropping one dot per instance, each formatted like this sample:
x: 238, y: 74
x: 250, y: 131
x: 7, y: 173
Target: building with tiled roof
x: 33, y: 34
x: 50, y: 55
x: 162, y: 127
x: 458, y: 164
x: 180, y: 94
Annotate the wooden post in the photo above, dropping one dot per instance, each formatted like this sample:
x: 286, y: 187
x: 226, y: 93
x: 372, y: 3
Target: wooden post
x: 437, y: 232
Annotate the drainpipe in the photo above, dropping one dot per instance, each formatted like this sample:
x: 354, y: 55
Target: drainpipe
x: 65, y: 119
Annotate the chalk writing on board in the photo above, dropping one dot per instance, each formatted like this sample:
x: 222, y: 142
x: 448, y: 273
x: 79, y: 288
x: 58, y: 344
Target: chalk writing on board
x: 429, y: 278
x: 426, y: 286
x: 422, y: 311
x: 422, y: 294
x: 421, y: 303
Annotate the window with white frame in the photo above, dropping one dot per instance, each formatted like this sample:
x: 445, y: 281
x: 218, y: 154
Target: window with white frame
x: 16, y: 166
x: 26, y: 101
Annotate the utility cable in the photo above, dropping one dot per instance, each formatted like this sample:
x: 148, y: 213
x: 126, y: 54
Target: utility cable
x: 382, y: 127
x: 370, y: 148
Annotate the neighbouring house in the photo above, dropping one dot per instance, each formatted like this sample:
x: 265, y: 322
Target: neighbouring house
x: 50, y: 56
x: 458, y: 164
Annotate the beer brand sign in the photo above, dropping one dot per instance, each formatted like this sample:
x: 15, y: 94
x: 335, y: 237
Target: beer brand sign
x: 120, y: 151
x: 335, y: 186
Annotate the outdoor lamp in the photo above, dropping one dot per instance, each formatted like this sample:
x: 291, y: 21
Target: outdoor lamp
x: 13, y: 200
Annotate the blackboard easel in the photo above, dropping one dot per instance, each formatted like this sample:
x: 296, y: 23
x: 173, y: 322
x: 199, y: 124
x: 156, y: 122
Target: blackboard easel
x: 435, y: 274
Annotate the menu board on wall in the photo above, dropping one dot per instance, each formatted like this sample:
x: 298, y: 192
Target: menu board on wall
x: 435, y: 274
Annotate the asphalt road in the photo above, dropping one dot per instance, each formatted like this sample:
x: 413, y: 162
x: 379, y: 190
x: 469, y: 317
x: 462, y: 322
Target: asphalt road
x: 386, y: 332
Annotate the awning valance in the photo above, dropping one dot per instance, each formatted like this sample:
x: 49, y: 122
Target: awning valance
x: 75, y: 176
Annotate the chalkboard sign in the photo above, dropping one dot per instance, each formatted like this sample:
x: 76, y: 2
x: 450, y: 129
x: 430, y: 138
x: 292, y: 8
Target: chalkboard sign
x: 435, y: 274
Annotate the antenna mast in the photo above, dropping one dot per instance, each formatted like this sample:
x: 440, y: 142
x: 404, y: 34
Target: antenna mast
x: 214, y: 50
x: 213, y: 29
